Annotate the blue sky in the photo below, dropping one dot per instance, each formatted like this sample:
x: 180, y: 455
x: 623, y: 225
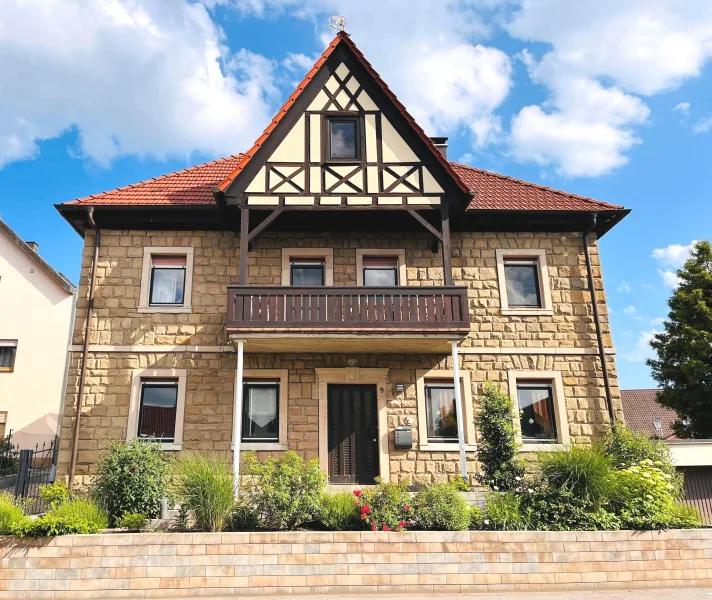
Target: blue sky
x: 606, y: 99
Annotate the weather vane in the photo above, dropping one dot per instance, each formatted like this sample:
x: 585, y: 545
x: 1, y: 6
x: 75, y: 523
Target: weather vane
x: 338, y: 23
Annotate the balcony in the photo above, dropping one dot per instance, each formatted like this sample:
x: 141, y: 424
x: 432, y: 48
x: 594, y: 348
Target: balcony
x: 348, y: 319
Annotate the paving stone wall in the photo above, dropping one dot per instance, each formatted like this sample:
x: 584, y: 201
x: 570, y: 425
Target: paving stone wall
x: 261, y: 564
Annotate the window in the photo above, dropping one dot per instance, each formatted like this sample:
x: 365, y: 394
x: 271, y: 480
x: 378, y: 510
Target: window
x: 536, y: 412
x: 441, y: 412
x: 157, y: 415
x: 157, y: 406
x: 437, y: 413
x: 306, y: 272
x: 541, y: 419
x: 166, y: 280
x: 8, y: 350
x: 523, y: 279
x: 343, y: 138
x: 380, y: 271
x: 3, y: 424
x: 260, y: 412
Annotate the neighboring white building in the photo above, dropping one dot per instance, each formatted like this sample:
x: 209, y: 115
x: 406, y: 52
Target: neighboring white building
x: 36, y: 314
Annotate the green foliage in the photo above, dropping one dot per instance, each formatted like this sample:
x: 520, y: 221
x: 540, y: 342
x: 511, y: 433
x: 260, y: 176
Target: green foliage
x: 339, y: 512
x: 55, y: 493
x: 626, y: 447
x: 497, y: 448
x: 79, y: 515
x: 243, y: 518
x: 11, y: 513
x: 503, y: 512
x: 460, y: 484
x: 387, y: 507
x: 683, y: 367
x: 583, y: 472
x: 440, y: 507
x: 284, y: 492
x: 205, y: 486
x: 477, y: 518
x: 131, y: 477
x: 132, y: 522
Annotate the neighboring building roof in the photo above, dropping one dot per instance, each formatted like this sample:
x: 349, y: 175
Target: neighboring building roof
x: 641, y: 409
x: 55, y: 275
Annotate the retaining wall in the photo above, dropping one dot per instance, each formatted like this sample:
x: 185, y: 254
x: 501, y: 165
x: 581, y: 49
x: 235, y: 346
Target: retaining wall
x: 173, y: 565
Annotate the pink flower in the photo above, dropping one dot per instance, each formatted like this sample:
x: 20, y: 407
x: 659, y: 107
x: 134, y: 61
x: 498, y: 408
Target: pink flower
x: 385, y: 527
x: 401, y: 524
x: 357, y: 493
x: 410, y: 522
x: 406, y: 507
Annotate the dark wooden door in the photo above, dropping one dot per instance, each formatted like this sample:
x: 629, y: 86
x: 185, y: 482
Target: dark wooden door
x: 353, y: 434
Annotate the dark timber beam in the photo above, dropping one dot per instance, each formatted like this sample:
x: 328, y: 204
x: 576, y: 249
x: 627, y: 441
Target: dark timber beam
x: 447, y: 254
x: 244, y: 242
x: 264, y: 224
x: 425, y: 223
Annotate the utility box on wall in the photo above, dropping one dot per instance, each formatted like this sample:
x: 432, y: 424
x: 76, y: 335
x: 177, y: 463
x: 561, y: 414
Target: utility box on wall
x: 404, y: 437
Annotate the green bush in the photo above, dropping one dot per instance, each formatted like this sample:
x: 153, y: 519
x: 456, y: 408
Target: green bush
x: 132, y: 522
x: 75, y: 516
x: 477, y: 518
x: 55, y: 493
x: 387, y: 507
x: 627, y: 448
x: 504, y: 512
x: 497, y: 447
x: 132, y: 478
x: 284, y: 491
x: 582, y: 471
x: 206, y: 487
x: 243, y: 518
x: 11, y: 513
x: 440, y: 507
x: 339, y: 512
x: 460, y: 484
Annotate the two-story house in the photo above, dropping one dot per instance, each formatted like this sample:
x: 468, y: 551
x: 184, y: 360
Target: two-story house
x: 337, y: 281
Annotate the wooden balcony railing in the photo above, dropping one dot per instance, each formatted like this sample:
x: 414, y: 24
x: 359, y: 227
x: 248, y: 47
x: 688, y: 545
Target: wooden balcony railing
x: 342, y: 309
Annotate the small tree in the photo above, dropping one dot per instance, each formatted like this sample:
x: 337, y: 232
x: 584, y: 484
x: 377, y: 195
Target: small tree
x: 497, y: 448
x: 683, y: 367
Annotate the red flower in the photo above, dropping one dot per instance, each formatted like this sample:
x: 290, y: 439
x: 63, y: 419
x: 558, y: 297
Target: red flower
x: 373, y: 526
x: 357, y: 493
x: 406, y: 507
x: 364, y: 516
x: 365, y: 509
x: 385, y: 527
x: 401, y: 524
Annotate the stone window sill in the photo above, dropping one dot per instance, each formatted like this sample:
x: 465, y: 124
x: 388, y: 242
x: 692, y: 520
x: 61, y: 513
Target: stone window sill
x: 257, y: 446
x: 172, y: 447
x: 165, y: 309
x: 445, y: 447
x: 528, y: 312
x: 542, y: 447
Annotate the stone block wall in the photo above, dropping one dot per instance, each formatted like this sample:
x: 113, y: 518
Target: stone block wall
x: 189, y: 565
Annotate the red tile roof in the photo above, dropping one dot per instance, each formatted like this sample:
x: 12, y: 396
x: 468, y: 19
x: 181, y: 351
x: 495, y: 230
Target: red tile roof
x: 499, y: 192
x: 640, y: 410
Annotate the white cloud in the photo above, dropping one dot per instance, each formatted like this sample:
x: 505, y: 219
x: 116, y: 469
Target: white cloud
x: 141, y: 77
x: 683, y: 107
x: 642, y: 349
x: 670, y: 278
x: 630, y: 310
x: 624, y: 287
x: 673, y: 255
x: 657, y: 321
x: 703, y: 125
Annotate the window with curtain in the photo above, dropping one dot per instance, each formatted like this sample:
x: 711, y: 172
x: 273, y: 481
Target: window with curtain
x: 260, y: 412
x: 522, y: 280
x: 167, y: 280
x: 380, y: 271
x: 441, y: 412
x: 343, y: 142
x: 157, y: 413
x: 306, y: 272
x: 536, y: 412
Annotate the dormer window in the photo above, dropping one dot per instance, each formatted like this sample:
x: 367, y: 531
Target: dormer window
x: 342, y: 138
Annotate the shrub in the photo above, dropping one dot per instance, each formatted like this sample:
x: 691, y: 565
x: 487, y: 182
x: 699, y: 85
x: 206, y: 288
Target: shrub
x: 75, y: 516
x: 55, y: 493
x: 339, y: 512
x: 243, y: 518
x: 477, y: 518
x: 284, y: 492
x: 132, y: 478
x: 627, y: 448
x: 386, y: 507
x: 11, y: 513
x: 497, y: 449
x: 440, y: 507
x: 581, y: 471
x: 460, y: 484
x: 503, y: 512
x: 132, y: 521
x: 205, y: 486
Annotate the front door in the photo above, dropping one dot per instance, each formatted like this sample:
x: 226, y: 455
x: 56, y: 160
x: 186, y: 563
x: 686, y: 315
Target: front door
x: 353, y: 434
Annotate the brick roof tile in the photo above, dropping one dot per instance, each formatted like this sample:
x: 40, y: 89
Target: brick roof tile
x: 640, y: 410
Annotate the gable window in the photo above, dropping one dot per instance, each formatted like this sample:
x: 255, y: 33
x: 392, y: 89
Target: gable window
x: 381, y: 271
x: 8, y: 350
x: 260, y: 412
x: 342, y: 138
x: 523, y: 280
x: 536, y: 412
x: 305, y: 272
x: 166, y: 280
x: 157, y: 413
x: 440, y: 412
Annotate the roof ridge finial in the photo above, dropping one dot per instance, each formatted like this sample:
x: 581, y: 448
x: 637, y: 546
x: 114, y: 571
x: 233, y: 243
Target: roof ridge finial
x: 338, y: 23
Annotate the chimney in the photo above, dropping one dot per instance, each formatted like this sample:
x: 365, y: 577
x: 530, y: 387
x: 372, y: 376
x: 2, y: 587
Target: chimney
x: 440, y: 144
x: 34, y: 246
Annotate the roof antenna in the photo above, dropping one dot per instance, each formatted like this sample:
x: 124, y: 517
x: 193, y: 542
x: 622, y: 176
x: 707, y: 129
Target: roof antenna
x: 338, y: 23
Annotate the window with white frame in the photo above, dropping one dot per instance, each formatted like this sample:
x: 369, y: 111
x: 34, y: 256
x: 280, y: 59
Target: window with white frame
x: 441, y: 411
x: 166, y: 280
x: 260, y: 412
x: 380, y: 268
x: 307, y: 267
x: 8, y: 351
x: 523, y: 278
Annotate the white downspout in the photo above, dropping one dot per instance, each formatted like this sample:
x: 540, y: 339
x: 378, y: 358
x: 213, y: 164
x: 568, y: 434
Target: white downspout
x: 461, y: 425
x: 237, y: 416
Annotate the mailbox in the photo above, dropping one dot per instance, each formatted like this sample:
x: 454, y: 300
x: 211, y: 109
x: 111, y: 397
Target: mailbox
x: 404, y: 437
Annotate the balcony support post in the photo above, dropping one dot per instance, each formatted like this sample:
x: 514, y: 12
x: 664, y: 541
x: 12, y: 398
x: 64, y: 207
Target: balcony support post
x: 244, y: 242
x: 237, y: 416
x: 461, y: 425
x: 447, y: 253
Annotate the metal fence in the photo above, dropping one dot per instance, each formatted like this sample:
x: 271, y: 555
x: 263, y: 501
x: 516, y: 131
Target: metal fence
x: 22, y: 472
